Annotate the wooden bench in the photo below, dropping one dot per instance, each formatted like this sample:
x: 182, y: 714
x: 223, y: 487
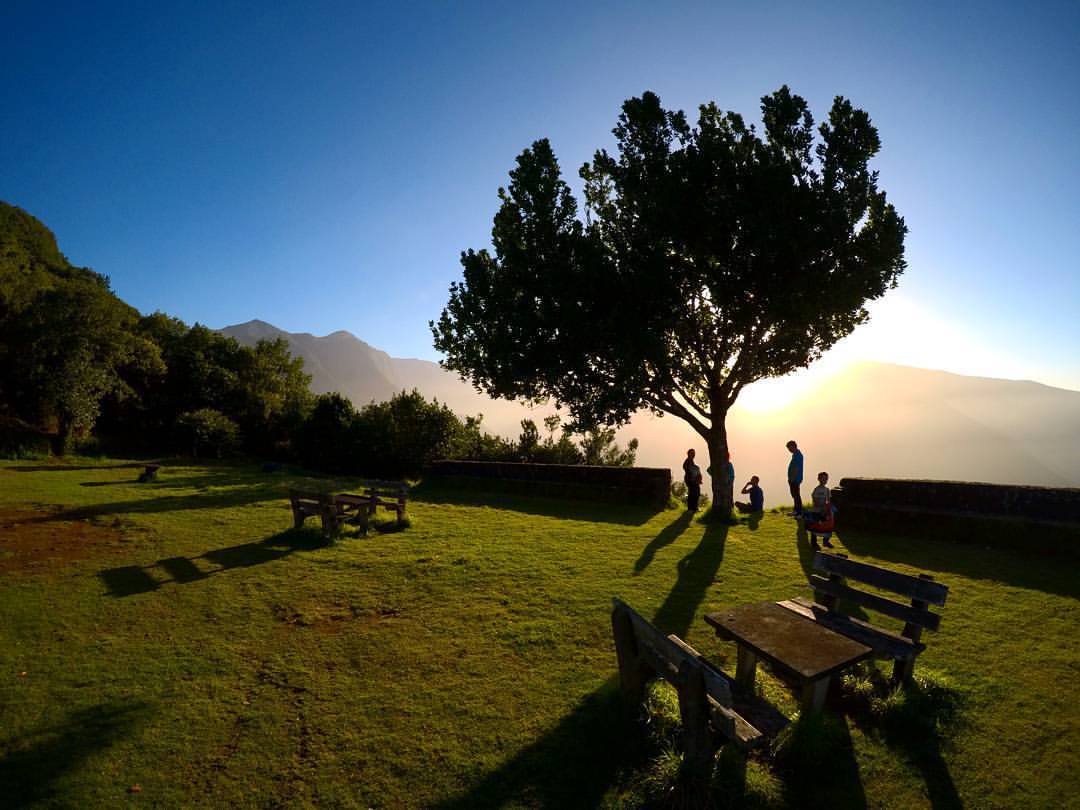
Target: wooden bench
x: 149, y: 473
x: 390, y: 495
x: 904, y: 647
x: 308, y: 504
x: 706, y: 703
x: 336, y: 511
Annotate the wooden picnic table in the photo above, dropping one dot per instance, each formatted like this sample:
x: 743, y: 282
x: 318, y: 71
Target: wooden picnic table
x: 796, y: 647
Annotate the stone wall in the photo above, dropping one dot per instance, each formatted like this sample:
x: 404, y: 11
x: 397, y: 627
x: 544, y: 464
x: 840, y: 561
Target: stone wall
x: 644, y: 485
x: 997, y: 500
x: 1039, y: 519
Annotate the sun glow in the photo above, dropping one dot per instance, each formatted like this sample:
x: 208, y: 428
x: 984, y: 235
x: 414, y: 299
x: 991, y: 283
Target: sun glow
x: 771, y: 396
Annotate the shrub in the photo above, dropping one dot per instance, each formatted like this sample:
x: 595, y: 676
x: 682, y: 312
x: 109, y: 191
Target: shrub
x: 208, y: 430
x: 20, y: 440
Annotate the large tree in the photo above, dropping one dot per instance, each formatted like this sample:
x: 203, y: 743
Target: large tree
x: 709, y: 257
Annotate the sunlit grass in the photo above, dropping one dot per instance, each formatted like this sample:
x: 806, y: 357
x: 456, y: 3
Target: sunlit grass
x: 212, y: 656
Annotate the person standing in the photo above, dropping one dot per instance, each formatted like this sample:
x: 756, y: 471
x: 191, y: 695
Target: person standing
x: 692, y: 478
x: 794, y: 476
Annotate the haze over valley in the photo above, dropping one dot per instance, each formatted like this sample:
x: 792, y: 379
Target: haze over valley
x: 868, y: 420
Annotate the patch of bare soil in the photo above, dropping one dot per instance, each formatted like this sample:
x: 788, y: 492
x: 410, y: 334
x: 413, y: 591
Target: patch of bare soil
x: 31, y: 545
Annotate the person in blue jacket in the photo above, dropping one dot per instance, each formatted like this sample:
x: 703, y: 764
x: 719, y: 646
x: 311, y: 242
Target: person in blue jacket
x: 794, y: 476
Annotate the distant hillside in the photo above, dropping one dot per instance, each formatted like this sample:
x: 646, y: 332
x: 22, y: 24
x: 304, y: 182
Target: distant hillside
x: 871, y: 420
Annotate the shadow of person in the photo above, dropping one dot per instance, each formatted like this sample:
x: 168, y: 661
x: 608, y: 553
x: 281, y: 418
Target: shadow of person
x: 668, y: 535
x: 36, y: 761
x: 696, y: 572
x: 753, y: 520
x: 916, y: 732
x: 811, y: 747
x: 572, y: 765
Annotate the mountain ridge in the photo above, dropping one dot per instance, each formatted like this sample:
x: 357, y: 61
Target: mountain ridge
x: 871, y: 419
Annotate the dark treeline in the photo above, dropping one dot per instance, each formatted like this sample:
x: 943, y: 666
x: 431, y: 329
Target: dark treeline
x: 80, y: 368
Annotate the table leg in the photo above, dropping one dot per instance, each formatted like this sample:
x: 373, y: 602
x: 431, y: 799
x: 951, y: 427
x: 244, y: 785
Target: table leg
x: 813, y: 696
x: 745, y: 668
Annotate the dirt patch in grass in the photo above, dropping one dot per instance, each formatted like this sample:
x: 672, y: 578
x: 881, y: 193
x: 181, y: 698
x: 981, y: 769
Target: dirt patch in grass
x: 30, y: 545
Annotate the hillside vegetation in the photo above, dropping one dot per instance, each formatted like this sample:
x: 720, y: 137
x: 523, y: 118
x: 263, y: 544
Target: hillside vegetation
x: 179, y: 637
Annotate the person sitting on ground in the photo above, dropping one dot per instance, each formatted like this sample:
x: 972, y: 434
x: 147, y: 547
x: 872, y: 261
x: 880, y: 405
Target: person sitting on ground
x: 757, y: 497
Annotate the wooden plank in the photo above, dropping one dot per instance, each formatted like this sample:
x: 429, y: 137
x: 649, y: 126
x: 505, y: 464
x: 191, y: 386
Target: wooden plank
x: 906, y: 613
x: 664, y: 655
x: 884, y: 643
x: 742, y: 732
x: 913, y: 587
x: 717, y: 683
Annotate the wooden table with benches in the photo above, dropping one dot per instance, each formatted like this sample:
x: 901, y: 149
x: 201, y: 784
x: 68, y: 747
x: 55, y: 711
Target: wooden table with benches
x: 827, y: 609
x: 349, y: 507
x: 797, y: 648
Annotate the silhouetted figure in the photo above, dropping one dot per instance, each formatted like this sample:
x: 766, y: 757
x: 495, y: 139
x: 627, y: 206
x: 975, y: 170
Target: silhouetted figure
x: 819, y: 519
x: 794, y: 476
x: 819, y: 498
x: 757, y: 497
x: 692, y: 477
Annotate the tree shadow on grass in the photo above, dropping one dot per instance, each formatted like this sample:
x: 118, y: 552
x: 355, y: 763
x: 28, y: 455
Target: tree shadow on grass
x: 573, y: 765
x: 696, y: 572
x: 668, y: 535
x: 540, y: 505
x: 34, y: 762
x: 815, y: 760
x: 75, y: 467
x: 241, y: 496
x: 130, y: 580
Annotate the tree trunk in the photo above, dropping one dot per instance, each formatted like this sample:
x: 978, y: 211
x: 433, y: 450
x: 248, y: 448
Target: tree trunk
x: 65, y: 428
x: 722, y: 488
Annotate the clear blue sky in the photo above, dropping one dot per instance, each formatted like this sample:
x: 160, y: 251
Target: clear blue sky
x: 321, y: 165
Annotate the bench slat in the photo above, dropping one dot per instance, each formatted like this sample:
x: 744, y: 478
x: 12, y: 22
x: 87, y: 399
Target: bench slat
x: 906, y: 613
x: 673, y: 651
x: 666, y: 654
x: 914, y: 587
x: 883, y: 642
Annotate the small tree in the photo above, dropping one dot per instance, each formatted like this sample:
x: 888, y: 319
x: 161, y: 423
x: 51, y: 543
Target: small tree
x: 709, y: 258
x: 207, y: 430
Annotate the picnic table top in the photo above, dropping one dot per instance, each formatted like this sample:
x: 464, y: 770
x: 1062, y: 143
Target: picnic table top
x: 802, y: 648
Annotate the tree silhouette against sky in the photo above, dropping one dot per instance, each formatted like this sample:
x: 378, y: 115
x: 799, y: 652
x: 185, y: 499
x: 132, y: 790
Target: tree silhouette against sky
x: 708, y: 257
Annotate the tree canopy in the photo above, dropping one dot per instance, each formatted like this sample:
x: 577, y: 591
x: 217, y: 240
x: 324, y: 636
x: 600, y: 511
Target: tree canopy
x: 708, y: 257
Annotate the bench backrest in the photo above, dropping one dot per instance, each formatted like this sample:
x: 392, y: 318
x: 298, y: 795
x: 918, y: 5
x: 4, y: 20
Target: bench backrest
x: 301, y: 496
x: 667, y: 654
x: 392, y: 489
x: 922, y: 591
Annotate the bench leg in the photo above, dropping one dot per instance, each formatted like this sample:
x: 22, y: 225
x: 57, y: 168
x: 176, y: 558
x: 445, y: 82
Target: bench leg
x: 813, y: 696
x: 903, y: 671
x: 694, y: 711
x: 745, y: 669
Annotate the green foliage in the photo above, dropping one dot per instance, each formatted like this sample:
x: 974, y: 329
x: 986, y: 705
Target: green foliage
x: 401, y: 436
x: 67, y: 341
x: 732, y: 256
x: 326, y: 440
x: 208, y: 431
x: 20, y: 440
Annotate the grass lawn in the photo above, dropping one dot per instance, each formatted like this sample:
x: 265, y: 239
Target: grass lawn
x: 178, y: 637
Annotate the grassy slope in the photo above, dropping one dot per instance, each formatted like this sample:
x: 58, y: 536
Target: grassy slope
x: 214, y: 658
